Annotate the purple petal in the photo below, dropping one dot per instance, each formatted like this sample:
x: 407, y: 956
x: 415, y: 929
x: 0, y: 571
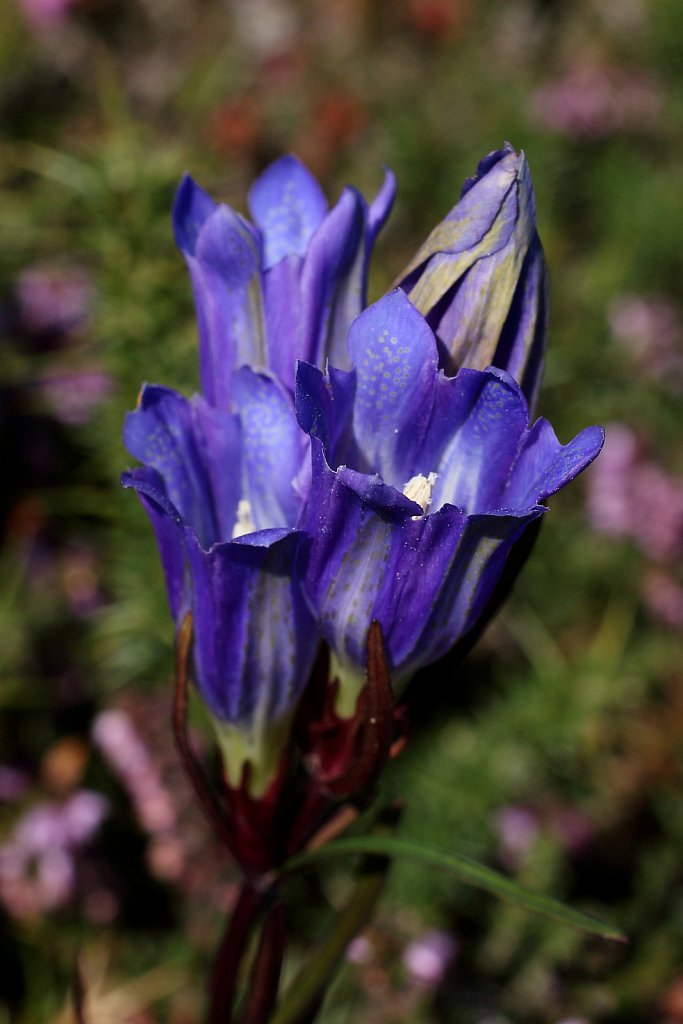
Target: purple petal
x: 219, y: 439
x: 544, y: 465
x: 395, y: 357
x: 324, y: 408
x: 381, y: 205
x: 522, y: 343
x: 273, y: 448
x: 373, y: 491
x: 288, y: 205
x: 480, y: 276
x: 333, y: 281
x: 168, y: 532
x: 225, y: 276
x: 485, y: 214
x: 487, y: 164
x: 426, y: 580
x: 284, y: 317
x: 192, y: 206
x: 314, y: 400
x: 469, y: 583
x: 476, y: 463
x: 254, y: 636
x: 160, y: 433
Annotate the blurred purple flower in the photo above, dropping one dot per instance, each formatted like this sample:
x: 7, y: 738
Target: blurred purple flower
x: 650, y: 330
x: 517, y: 828
x: 593, y: 102
x: 73, y: 397
x: 663, y: 595
x: 480, y: 278
x: 283, y: 289
x: 629, y: 496
x: 421, y: 486
x: 129, y: 758
x: 44, y: 14
x: 428, y: 958
x: 52, y: 301
x: 37, y: 862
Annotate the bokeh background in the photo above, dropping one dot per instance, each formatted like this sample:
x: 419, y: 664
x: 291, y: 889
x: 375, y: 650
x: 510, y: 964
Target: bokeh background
x: 556, y: 752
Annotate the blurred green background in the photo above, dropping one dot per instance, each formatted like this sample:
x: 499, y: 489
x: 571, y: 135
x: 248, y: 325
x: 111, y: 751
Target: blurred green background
x: 555, y: 755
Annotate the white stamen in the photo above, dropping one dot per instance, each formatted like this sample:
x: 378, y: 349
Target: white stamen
x: 244, y: 524
x: 419, y: 488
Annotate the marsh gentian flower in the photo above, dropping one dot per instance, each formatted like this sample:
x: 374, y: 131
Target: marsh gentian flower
x: 285, y: 289
x: 421, y: 485
x: 217, y: 487
x: 480, y: 277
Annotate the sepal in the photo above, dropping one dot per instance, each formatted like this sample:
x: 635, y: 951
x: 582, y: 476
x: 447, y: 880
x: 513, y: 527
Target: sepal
x: 346, y: 755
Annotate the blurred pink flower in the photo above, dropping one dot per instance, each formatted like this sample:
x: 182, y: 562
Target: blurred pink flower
x: 517, y: 828
x: 428, y: 958
x: 589, y: 101
x: 663, y: 596
x: 73, y: 397
x: 45, y: 13
x: 631, y: 497
x: 52, y: 300
x: 129, y: 758
x: 650, y: 330
x: 37, y: 862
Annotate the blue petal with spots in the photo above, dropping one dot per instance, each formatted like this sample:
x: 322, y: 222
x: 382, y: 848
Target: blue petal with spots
x: 288, y: 205
x: 427, y: 578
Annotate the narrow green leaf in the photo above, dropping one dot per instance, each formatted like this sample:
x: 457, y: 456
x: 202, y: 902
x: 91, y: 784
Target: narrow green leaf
x: 468, y: 871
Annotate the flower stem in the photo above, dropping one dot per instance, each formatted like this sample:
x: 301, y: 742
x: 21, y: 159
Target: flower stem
x: 306, y: 993
x: 223, y: 983
x: 265, y: 974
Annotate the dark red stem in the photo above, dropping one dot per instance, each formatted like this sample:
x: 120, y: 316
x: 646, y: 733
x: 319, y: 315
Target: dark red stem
x: 265, y: 975
x: 223, y: 983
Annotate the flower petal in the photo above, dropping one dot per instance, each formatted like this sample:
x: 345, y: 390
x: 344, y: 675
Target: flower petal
x: 168, y: 532
x: 426, y: 580
x: 254, y: 636
x: 192, y: 207
x: 544, y: 465
x: 333, y: 281
x: 381, y: 205
x: 288, y: 205
x: 480, y: 276
x: 488, y: 417
x: 160, y: 433
x: 225, y: 274
x: 284, y: 317
x: 395, y: 358
x: 522, y: 343
x: 273, y: 448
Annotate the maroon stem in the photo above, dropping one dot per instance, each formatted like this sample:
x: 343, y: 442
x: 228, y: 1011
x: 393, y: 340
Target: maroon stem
x: 265, y: 975
x: 223, y: 983
x: 189, y: 761
x: 78, y: 995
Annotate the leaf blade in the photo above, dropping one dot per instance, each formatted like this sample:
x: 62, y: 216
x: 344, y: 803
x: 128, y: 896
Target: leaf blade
x: 468, y: 871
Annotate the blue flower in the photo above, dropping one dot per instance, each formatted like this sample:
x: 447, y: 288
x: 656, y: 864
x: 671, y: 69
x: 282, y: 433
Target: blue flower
x: 421, y: 486
x: 217, y: 487
x: 283, y: 289
x: 480, y: 277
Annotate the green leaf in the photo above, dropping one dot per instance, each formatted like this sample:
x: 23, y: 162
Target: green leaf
x: 468, y: 871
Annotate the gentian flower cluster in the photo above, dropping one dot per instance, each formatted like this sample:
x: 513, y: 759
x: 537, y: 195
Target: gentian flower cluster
x: 345, y: 464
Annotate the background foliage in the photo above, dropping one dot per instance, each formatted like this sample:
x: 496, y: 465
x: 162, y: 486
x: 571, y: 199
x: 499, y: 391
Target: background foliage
x: 555, y: 753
